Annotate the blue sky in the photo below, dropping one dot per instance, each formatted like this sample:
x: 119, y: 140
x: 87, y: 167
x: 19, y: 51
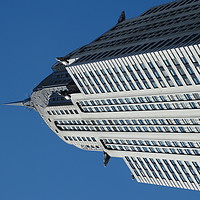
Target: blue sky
x: 35, y: 163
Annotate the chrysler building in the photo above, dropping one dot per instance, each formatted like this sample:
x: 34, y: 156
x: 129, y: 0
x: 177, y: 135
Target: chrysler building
x: 133, y: 93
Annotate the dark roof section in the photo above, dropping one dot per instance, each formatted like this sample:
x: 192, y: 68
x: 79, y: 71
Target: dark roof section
x: 169, y: 5
x: 170, y: 25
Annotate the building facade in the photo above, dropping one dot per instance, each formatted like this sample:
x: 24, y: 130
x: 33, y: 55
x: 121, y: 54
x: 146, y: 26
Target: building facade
x: 134, y: 93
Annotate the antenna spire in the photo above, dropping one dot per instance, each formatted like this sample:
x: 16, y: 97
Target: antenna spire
x: 26, y: 103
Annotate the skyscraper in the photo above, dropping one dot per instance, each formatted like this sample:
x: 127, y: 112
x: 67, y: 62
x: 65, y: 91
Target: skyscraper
x: 133, y: 93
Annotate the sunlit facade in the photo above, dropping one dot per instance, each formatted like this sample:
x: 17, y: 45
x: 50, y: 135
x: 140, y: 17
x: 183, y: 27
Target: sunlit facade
x: 134, y: 93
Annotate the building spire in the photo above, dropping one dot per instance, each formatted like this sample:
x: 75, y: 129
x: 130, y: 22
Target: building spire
x: 26, y: 103
x: 16, y: 103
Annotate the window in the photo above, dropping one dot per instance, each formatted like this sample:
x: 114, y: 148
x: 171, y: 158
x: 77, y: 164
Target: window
x: 71, y: 111
x: 76, y: 112
x: 49, y: 112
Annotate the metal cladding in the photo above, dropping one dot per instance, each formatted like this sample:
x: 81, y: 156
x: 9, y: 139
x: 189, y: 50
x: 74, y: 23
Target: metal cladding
x: 134, y: 93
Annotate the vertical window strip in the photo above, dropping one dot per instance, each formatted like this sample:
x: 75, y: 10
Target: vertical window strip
x: 191, y: 59
x: 154, y: 76
x: 108, y: 77
x: 126, y: 78
x: 172, y: 71
x: 115, y: 79
x: 147, y: 71
x: 174, y: 51
x: 80, y: 80
x: 179, y: 77
x: 195, y: 57
x: 90, y: 79
x: 164, y: 73
x: 133, y: 166
x: 84, y: 79
x: 196, y: 76
x: 155, y: 68
x: 163, y: 68
x: 77, y: 81
x: 134, y: 68
x: 89, y: 83
x: 131, y: 73
x: 96, y: 80
x: 140, y: 71
x: 119, y: 75
x: 104, y: 80
x: 127, y: 74
x: 100, y: 78
x: 185, y: 65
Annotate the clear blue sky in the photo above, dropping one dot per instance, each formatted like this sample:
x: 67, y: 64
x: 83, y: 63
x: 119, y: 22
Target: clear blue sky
x: 34, y: 163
